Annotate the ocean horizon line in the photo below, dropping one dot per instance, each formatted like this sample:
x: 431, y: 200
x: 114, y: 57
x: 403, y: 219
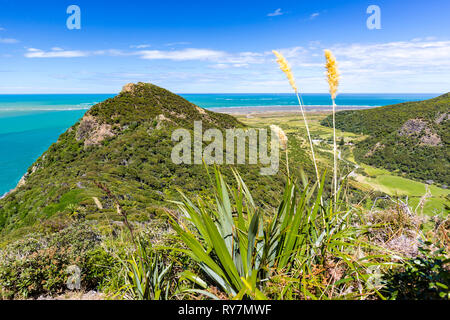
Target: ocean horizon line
x: 69, y: 108
x: 237, y: 93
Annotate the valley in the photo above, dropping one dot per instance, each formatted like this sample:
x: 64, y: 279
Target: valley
x: 363, y: 176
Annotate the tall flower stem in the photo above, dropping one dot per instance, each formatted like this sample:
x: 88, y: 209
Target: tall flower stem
x: 309, y: 137
x: 284, y: 66
x: 333, y: 82
x: 334, y: 153
x: 287, y: 164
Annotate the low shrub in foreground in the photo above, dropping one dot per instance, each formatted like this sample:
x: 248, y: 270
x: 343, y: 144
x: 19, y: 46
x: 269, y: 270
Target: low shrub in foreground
x: 42, y: 265
x: 425, y: 277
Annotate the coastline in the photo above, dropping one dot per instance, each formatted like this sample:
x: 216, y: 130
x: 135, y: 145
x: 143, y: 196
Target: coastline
x: 283, y: 109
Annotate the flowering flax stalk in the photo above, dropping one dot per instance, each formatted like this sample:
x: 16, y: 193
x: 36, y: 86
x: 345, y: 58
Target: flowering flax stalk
x: 284, y: 66
x: 333, y: 83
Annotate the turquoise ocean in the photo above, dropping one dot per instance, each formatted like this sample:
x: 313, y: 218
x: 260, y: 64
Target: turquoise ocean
x: 30, y: 123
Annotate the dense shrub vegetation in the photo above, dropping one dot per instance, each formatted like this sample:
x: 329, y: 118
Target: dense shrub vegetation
x: 40, y: 264
x: 411, y: 138
x: 424, y: 277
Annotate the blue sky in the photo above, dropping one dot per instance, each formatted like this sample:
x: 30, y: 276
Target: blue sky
x: 223, y: 46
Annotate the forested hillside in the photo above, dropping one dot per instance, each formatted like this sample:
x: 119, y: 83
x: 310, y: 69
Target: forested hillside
x: 411, y: 138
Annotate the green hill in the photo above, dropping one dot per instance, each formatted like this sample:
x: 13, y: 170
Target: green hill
x: 410, y: 138
x: 124, y: 143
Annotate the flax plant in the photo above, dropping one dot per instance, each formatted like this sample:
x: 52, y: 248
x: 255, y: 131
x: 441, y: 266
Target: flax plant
x: 249, y: 252
x: 147, y: 276
x: 333, y: 83
x: 284, y: 66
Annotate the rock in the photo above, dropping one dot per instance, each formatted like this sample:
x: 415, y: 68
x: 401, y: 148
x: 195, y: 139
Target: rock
x: 129, y: 87
x: 412, y: 126
x: 430, y: 138
x: 92, y: 132
x: 419, y: 128
x: 160, y: 119
x: 202, y: 111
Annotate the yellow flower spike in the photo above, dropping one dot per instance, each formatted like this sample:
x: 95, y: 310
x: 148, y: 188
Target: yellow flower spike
x: 284, y: 66
x: 332, y: 73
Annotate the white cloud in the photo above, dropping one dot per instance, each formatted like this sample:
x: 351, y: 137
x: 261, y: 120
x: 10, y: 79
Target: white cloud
x: 189, y: 54
x: 140, y: 46
x: 244, y: 58
x: 422, y: 65
x: 182, y: 55
x: 110, y: 52
x: 222, y: 59
x: 220, y: 66
x: 55, y: 53
x: 396, y: 55
x: 180, y: 43
x: 293, y: 52
x: 314, y: 15
x: 403, y: 66
x: 275, y: 13
x: 8, y: 40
